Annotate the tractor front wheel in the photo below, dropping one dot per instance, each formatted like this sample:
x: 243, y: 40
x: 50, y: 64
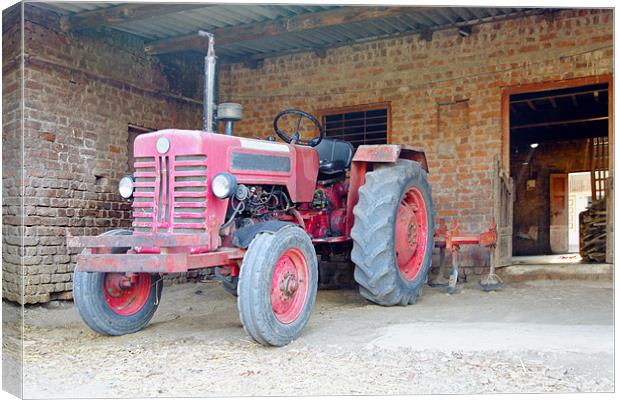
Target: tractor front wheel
x: 112, y: 303
x: 277, y: 285
x: 393, y: 234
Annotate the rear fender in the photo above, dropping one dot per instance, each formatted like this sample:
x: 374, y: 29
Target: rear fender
x: 389, y: 153
x: 368, y: 154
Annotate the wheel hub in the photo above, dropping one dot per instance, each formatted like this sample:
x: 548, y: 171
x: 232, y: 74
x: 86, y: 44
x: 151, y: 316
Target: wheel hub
x: 126, y: 295
x: 289, y: 288
x: 289, y: 285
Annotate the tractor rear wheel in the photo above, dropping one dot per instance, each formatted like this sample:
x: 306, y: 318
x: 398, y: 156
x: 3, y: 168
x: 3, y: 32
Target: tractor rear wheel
x: 393, y: 234
x: 277, y: 285
x: 112, y: 305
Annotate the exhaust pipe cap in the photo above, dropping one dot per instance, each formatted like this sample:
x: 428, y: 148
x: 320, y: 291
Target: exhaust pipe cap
x: 230, y: 112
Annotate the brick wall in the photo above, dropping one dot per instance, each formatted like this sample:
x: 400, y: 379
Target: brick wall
x: 445, y: 94
x: 12, y: 171
x: 80, y: 95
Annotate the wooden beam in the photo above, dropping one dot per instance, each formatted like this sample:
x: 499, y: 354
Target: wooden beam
x: 318, y: 50
x: 553, y: 103
x: 296, y: 24
x: 553, y: 123
x: 558, y: 96
x: 124, y: 13
x: 557, y: 134
x: 530, y: 103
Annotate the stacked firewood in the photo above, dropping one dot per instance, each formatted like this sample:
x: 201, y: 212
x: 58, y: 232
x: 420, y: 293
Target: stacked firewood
x: 592, y: 233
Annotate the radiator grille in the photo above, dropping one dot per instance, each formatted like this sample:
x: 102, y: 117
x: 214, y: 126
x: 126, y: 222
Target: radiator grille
x: 190, y: 193
x: 144, y: 193
x: 175, y: 201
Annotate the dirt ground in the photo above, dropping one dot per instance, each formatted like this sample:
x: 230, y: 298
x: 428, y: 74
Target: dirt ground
x: 529, y: 337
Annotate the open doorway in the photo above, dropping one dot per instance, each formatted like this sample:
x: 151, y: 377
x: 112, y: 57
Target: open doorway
x: 579, y: 200
x: 559, y: 161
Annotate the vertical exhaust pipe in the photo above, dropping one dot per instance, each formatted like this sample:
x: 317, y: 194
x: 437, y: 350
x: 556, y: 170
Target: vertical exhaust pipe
x: 209, y: 119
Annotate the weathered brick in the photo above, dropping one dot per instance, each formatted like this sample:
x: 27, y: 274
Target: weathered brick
x: 75, y: 127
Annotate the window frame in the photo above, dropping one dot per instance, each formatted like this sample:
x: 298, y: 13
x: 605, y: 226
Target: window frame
x: 387, y: 105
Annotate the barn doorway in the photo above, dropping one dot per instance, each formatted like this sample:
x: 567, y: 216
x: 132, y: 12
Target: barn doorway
x: 559, y: 160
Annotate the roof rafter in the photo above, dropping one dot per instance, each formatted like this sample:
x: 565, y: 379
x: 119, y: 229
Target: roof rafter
x: 127, y: 12
x: 295, y: 24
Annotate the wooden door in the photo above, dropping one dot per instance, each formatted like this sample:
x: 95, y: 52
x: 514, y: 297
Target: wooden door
x: 503, y: 198
x: 558, y: 230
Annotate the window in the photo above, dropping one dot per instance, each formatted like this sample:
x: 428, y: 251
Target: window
x: 358, y: 125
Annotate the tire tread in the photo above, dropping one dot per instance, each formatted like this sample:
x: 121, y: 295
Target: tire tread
x: 376, y: 271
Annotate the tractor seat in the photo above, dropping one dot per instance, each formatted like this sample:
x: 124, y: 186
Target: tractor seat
x: 334, y: 157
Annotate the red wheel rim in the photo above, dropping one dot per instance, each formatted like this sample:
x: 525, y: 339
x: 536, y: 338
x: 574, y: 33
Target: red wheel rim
x: 123, y: 297
x: 411, y: 234
x: 289, y: 286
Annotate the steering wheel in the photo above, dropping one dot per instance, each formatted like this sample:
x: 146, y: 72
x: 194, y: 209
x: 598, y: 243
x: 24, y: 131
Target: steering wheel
x: 288, y: 138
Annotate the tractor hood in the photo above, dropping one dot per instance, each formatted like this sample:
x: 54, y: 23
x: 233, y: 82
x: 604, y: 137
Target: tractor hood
x: 251, y: 161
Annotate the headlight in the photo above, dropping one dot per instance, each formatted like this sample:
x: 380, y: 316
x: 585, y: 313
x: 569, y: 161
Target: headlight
x: 125, y: 187
x: 224, y: 185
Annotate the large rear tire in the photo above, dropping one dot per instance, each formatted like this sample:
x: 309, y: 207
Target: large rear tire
x: 111, y: 309
x: 277, y: 285
x: 393, y: 234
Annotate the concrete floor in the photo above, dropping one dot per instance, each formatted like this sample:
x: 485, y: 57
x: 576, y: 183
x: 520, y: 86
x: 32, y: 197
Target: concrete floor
x: 529, y: 337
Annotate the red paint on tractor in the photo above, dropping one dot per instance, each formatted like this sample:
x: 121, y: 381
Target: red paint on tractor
x: 289, y: 286
x: 358, y: 176
x: 124, y: 295
x: 411, y: 234
x: 164, y: 178
x: 178, y: 218
x: 158, y: 240
x: 390, y: 153
x: 326, y: 216
x: 377, y: 153
x: 177, y: 261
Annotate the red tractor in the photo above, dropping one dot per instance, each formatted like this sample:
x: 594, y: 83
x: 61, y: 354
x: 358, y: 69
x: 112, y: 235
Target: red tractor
x: 259, y: 212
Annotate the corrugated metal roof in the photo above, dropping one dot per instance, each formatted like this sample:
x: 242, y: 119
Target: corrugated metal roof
x: 217, y: 16
x: 189, y: 22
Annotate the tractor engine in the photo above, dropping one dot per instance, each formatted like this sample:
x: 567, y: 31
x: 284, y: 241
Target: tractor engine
x: 326, y: 214
x: 257, y: 203
x: 323, y: 217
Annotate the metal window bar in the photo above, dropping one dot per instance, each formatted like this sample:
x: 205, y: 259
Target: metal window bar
x: 358, y: 127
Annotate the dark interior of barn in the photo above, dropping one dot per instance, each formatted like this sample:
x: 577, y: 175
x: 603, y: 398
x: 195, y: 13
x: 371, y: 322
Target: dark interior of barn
x: 556, y: 136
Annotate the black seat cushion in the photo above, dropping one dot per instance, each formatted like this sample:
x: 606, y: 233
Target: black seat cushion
x: 334, y: 157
